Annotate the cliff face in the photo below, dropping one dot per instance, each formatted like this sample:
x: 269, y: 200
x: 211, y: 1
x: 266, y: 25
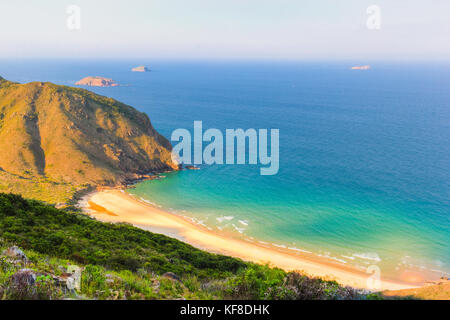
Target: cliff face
x: 73, y: 136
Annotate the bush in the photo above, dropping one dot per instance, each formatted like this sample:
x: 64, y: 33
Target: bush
x: 301, y: 287
x: 256, y: 282
x: 35, y: 225
x: 23, y: 286
x: 93, y: 281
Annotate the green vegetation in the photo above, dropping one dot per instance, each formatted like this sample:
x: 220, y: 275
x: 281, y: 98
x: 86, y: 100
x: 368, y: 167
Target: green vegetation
x: 34, y: 225
x: 39, y: 188
x: 120, y: 261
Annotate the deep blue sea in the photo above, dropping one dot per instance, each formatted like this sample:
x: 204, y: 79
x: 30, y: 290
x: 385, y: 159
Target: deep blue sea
x: 364, y: 173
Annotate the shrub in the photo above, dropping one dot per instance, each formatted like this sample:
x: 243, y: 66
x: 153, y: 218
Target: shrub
x: 35, y: 225
x: 255, y: 282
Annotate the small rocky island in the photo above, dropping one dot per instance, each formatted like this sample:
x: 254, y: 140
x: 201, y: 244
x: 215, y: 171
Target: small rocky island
x: 366, y: 67
x: 97, y: 82
x: 140, y: 69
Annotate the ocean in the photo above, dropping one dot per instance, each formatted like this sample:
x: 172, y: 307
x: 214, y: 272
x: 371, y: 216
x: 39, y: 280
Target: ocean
x: 364, y: 175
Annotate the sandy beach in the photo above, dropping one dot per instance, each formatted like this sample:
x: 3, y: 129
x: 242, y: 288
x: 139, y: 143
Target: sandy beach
x: 119, y: 206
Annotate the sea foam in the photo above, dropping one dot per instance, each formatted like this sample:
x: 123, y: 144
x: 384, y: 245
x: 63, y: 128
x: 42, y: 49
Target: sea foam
x: 225, y: 218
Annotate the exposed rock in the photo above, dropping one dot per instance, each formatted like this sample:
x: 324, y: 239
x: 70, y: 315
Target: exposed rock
x: 140, y: 69
x: 23, y: 278
x: 172, y: 276
x: 97, y: 82
x: 15, y: 253
x: 71, y: 279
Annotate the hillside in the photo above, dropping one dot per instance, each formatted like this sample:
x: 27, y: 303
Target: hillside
x: 436, y: 290
x: 120, y: 261
x: 56, y: 140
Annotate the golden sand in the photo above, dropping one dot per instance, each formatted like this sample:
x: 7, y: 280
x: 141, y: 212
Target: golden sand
x: 122, y: 207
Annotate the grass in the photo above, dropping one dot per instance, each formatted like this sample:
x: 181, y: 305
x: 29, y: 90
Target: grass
x: 38, y: 188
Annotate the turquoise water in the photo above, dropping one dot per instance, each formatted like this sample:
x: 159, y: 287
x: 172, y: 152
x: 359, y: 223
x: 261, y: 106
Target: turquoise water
x: 364, y: 155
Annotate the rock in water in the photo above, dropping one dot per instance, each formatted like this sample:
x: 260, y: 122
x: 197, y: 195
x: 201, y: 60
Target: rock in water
x: 140, y: 69
x: 97, y: 82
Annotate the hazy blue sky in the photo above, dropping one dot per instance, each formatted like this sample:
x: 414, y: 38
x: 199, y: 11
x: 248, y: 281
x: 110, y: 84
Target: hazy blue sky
x: 281, y: 29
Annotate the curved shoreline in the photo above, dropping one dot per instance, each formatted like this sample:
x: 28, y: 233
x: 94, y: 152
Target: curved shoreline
x: 127, y: 208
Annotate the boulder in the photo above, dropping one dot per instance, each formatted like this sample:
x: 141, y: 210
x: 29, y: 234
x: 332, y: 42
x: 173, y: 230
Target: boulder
x: 172, y: 276
x: 15, y: 253
x: 23, y: 278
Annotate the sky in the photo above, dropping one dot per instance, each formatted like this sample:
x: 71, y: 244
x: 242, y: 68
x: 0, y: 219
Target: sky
x: 226, y: 29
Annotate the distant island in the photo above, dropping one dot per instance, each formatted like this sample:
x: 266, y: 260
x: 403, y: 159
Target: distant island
x: 366, y: 67
x: 140, y: 69
x: 97, y: 82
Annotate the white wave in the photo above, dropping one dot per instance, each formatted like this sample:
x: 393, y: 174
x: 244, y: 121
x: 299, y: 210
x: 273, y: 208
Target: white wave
x: 190, y: 218
x: 299, y: 250
x: 338, y: 260
x: 348, y: 257
x: 149, y: 202
x: 243, y: 222
x: 202, y: 222
x: 240, y: 230
x: 436, y: 270
x: 227, y: 218
x: 368, y: 256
